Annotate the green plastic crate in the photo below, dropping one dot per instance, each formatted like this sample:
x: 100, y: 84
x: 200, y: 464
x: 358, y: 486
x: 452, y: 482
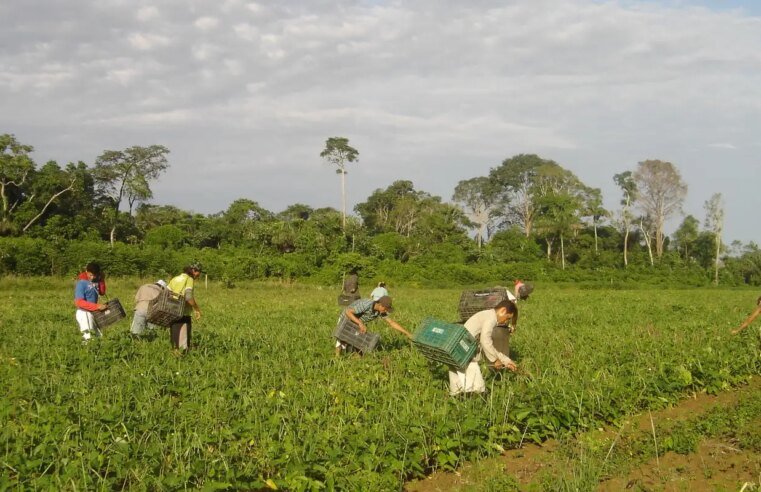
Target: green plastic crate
x: 444, y: 342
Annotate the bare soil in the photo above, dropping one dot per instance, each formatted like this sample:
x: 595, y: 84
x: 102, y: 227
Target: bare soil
x: 716, y: 465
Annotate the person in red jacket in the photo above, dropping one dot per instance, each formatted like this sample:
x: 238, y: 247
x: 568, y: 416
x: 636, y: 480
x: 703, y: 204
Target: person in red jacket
x: 90, y: 284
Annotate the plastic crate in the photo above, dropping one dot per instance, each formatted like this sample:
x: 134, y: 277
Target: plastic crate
x: 346, y: 299
x: 444, y: 342
x: 473, y: 301
x: 111, y: 315
x: 348, y: 332
x: 166, y: 308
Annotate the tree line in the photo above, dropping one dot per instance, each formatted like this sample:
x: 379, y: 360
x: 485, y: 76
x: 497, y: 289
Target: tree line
x: 528, y: 217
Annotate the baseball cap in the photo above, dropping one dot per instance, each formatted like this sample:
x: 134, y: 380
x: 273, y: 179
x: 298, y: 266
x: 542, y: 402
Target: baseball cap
x: 161, y: 283
x: 385, y: 301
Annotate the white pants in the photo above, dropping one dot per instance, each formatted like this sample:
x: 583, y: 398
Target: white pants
x: 86, y: 324
x: 470, y: 381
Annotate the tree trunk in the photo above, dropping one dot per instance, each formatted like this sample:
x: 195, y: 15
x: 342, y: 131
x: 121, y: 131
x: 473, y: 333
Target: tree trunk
x: 562, y: 251
x: 716, y: 262
x: 343, y: 198
x: 595, y: 227
x: 648, y: 242
x: 626, y: 246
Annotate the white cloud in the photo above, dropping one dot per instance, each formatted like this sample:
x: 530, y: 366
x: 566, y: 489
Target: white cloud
x: 147, y: 42
x: 147, y: 13
x: 206, y: 23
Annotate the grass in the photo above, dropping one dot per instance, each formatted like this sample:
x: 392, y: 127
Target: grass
x: 262, y: 402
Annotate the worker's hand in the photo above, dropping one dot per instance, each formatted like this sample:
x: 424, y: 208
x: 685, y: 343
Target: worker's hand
x: 510, y: 329
x: 511, y: 366
x: 197, y: 314
x: 102, y: 307
x: 362, y: 328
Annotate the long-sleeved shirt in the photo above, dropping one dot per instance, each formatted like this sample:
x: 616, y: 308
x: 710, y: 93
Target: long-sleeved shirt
x: 86, y: 293
x: 481, y: 326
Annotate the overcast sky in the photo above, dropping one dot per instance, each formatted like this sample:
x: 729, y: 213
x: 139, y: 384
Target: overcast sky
x: 244, y: 93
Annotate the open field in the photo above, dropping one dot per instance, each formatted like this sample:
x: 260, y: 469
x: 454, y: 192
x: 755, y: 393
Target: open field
x: 263, y: 403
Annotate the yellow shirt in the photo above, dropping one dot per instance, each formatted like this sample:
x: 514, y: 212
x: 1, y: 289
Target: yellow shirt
x: 183, y: 285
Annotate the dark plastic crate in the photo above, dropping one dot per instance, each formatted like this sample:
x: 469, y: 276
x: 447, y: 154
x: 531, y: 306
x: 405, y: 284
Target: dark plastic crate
x: 166, y: 308
x: 348, y: 332
x: 114, y: 312
x: 448, y: 343
x: 474, y: 301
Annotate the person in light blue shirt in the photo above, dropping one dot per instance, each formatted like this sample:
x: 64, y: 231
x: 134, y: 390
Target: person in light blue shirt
x: 379, y: 291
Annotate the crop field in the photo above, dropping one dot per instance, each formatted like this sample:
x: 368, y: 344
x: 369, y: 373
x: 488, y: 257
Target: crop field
x: 263, y: 403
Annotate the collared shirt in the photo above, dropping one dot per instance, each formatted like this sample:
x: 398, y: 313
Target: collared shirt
x: 481, y: 326
x: 363, y: 309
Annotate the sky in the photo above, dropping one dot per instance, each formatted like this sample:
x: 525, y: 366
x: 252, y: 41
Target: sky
x: 245, y: 94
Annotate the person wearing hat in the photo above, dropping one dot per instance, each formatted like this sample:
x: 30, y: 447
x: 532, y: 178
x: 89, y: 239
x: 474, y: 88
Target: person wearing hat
x: 379, y: 291
x: 181, y: 330
x: 365, y: 310
x: 481, y: 325
x: 145, y: 294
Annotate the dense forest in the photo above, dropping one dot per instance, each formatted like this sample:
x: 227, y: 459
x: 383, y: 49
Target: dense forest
x: 528, y: 218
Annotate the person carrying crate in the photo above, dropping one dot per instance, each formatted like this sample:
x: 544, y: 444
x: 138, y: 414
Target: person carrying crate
x: 180, y: 331
x: 90, y: 284
x: 363, y: 311
x: 143, y: 297
x: 481, y: 325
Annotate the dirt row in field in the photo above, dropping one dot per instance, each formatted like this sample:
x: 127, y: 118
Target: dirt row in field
x: 718, y: 464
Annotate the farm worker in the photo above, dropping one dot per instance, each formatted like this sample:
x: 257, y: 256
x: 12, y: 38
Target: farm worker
x: 145, y: 294
x: 350, y: 291
x: 522, y: 290
x: 363, y: 311
x: 379, y: 291
x: 351, y: 283
x: 481, y: 325
x: 181, y: 330
x: 90, y: 284
x: 750, y: 318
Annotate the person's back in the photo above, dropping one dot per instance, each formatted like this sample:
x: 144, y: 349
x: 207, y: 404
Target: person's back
x: 351, y: 283
x: 379, y: 291
x: 144, y: 295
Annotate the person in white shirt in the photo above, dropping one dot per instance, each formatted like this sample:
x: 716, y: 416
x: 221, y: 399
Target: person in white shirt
x: 481, y: 325
x: 379, y: 291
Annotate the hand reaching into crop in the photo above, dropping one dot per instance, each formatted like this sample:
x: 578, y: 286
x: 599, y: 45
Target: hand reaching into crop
x: 510, y: 365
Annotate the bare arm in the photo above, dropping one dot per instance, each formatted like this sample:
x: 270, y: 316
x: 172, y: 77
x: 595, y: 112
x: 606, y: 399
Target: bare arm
x: 349, y: 313
x: 393, y: 324
x: 748, y: 321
